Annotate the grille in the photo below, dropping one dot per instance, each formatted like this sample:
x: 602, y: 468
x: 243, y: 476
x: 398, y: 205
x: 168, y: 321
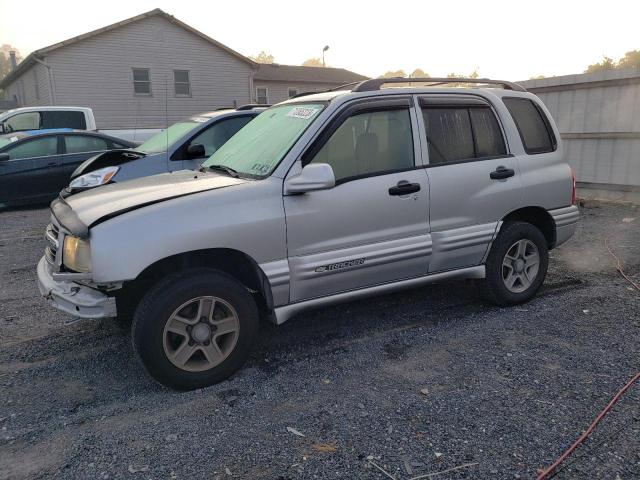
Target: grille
x: 51, y: 235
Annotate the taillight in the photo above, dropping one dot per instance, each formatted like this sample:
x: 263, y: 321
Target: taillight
x: 573, y: 188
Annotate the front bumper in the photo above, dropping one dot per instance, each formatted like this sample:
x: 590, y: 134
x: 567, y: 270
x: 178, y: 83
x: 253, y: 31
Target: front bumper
x: 73, y: 298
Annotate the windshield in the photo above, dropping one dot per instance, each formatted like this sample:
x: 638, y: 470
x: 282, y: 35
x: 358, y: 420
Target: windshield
x: 259, y: 146
x: 161, y: 141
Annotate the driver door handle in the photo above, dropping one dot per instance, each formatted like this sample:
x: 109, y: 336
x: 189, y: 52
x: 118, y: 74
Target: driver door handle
x: 403, y: 187
x: 502, y: 173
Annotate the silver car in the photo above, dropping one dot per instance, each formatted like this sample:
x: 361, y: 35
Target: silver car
x: 321, y: 199
x: 184, y: 145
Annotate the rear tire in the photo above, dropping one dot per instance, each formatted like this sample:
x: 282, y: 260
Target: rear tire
x: 194, y: 329
x: 517, y: 264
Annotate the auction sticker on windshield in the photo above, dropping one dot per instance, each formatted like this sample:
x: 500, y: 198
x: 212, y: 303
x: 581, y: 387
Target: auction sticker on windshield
x: 302, y: 112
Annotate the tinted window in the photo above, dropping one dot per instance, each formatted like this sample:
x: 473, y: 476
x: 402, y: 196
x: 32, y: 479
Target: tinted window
x: 141, y: 81
x: 63, y: 119
x: 23, y: 121
x: 449, y: 134
x: 534, y: 129
x: 462, y: 133
x: 369, y: 143
x: 217, y: 135
x: 82, y: 143
x: 39, y: 147
x: 487, y: 134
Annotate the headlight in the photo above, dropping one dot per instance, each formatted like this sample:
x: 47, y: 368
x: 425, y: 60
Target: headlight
x: 95, y: 178
x: 76, y: 254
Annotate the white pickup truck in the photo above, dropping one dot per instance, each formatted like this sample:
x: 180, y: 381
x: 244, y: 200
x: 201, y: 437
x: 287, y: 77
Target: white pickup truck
x: 78, y: 118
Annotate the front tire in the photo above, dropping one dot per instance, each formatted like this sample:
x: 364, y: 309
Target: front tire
x: 194, y: 329
x: 517, y: 264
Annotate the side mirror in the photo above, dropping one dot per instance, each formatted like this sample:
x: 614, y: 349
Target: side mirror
x: 196, y: 151
x: 4, y: 157
x: 315, y: 176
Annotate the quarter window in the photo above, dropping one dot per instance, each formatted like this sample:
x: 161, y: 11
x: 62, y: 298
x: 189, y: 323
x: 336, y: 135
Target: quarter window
x: 369, y: 143
x: 182, y: 86
x: 535, y: 130
x: 262, y: 95
x: 462, y: 133
x: 39, y: 147
x: 84, y: 143
x: 141, y: 81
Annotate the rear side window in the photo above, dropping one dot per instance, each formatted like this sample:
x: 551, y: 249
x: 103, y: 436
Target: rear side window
x: 84, y: 143
x: 369, y: 143
x: 63, y: 119
x: 535, y: 130
x: 462, y: 133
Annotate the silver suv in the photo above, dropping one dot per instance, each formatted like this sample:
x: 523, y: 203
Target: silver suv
x: 321, y: 199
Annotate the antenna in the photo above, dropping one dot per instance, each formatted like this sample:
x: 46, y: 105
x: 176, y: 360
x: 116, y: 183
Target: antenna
x: 166, y: 119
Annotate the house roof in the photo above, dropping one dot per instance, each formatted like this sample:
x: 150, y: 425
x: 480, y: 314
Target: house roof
x: 293, y: 73
x: 37, y: 54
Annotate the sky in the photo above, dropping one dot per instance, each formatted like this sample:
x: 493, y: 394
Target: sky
x: 501, y: 39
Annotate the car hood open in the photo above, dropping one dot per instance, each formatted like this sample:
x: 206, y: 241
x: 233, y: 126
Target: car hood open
x: 89, y: 208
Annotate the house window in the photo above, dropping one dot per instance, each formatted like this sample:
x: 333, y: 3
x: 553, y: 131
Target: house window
x: 141, y: 81
x: 293, y: 92
x: 262, y: 95
x: 181, y: 84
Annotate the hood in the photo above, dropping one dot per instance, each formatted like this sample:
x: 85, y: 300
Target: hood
x: 107, y: 159
x: 98, y: 204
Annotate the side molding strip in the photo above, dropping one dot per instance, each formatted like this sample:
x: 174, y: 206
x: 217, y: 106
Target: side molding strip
x: 284, y: 313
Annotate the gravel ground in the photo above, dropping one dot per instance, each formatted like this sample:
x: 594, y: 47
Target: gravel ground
x: 415, y: 382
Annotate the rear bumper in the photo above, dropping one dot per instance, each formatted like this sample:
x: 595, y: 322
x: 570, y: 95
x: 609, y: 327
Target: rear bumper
x: 566, y: 220
x: 73, y: 298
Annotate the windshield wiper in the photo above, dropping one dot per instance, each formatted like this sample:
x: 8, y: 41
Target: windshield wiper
x: 228, y: 170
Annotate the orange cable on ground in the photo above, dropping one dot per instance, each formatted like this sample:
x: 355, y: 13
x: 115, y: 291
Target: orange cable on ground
x: 619, y: 266
x: 545, y: 473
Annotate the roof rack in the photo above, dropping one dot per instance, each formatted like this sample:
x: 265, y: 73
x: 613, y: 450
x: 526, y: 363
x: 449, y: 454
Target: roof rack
x: 303, y: 94
x: 251, y: 106
x: 376, y: 83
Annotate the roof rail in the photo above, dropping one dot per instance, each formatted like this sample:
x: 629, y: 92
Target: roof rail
x: 302, y: 94
x: 376, y: 83
x: 251, y: 106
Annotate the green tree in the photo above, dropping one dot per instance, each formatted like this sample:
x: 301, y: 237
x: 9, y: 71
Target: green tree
x: 630, y: 60
x: 262, y: 57
x: 392, y: 74
x: 312, y: 62
x: 419, y: 73
x: 607, y: 63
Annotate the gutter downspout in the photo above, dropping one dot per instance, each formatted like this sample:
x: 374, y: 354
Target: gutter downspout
x: 52, y: 98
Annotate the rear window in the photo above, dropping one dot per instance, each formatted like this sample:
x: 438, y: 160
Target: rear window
x: 462, y: 133
x: 63, y: 119
x: 533, y: 125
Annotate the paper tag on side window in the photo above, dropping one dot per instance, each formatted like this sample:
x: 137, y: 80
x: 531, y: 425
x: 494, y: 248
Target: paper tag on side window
x: 302, y: 112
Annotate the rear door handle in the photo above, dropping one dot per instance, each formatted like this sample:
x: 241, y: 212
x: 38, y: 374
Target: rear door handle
x: 404, y: 188
x: 502, y: 173
x: 52, y: 164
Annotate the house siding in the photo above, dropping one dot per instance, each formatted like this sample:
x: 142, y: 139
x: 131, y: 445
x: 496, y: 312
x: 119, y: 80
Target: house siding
x: 97, y: 72
x: 31, y: 88
x: 278, y: 90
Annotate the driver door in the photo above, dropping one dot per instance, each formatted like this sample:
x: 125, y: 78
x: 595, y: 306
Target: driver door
x: 373, y: 226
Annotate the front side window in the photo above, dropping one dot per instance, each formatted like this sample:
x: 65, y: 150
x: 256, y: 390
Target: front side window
x: 39, y: 147
x: 369, y: 143
x: 462, y: 133
x: 262, y: 95
x: 64, y: 119
x: 161, y: 141
x: 535, y: 131
x: 181, y: 84
x: 258, y: 147
x: 217, y: 135
x: 141, y: 81
x: 84, y: 143
x: 22, y: 121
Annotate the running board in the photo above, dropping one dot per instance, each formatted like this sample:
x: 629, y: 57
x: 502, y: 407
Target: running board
x: 284, y: 313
